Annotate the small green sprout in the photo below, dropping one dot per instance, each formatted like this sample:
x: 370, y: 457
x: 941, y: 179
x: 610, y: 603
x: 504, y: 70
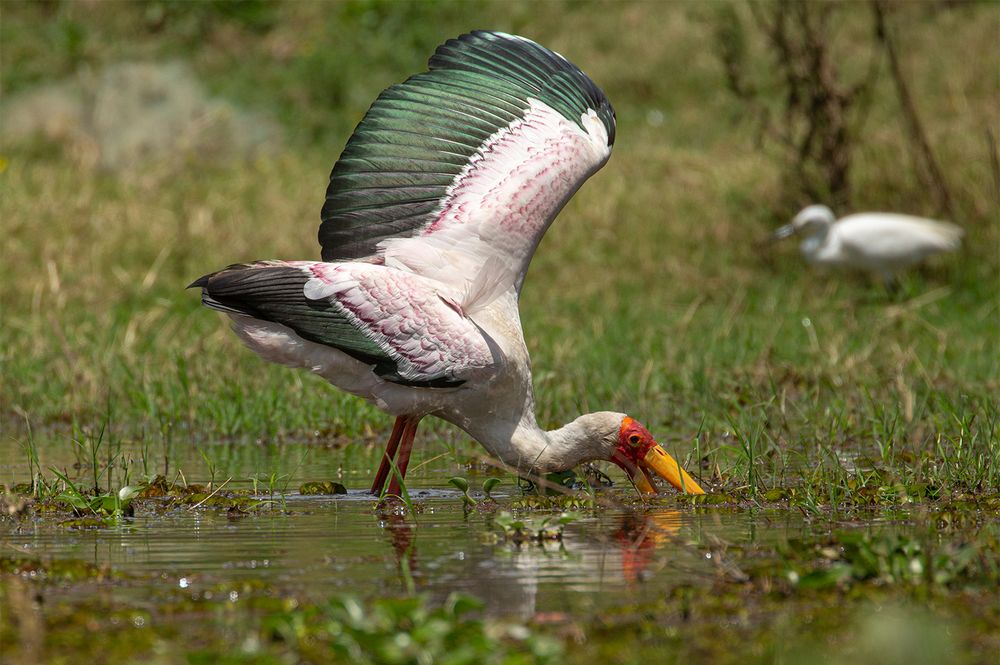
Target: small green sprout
x: 463, y: 486
x: 488, y: 486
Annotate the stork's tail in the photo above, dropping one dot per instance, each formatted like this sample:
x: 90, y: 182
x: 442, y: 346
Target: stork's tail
x: 226, y: 290
x: 274, y: 291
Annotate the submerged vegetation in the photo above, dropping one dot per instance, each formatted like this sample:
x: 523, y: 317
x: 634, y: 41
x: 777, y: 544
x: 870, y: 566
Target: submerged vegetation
x: 167, y: 491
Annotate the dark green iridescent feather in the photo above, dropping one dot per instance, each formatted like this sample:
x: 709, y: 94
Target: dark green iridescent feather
x: 419, y: 135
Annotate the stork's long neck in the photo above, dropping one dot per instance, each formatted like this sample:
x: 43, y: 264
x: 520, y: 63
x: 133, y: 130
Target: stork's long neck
x: 529, y: 448
x: 501, y: 415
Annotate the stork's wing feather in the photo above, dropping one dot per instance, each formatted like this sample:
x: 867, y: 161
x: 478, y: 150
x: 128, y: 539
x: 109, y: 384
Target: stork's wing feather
x: 393, y: 320
x: 467, y: 163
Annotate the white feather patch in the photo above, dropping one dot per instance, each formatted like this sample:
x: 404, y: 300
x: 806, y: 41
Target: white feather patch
x: 493, y: 280
x: 327, y: 286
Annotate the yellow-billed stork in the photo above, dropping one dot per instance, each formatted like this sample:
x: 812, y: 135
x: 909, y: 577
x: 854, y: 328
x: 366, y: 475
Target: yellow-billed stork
x: 432, y: 215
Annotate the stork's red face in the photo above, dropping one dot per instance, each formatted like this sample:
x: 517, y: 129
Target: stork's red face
x: 639, y: 454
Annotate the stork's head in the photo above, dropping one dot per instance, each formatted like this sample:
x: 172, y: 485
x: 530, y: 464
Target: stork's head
x: 636, y: 451
x: 810, y: 221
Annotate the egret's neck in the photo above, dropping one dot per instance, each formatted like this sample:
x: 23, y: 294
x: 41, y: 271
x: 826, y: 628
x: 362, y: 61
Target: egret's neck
x: 817, y: 236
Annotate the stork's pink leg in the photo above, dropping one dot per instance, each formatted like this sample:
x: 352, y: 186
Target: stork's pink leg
x: 390, y: 452
x: 405, y: 446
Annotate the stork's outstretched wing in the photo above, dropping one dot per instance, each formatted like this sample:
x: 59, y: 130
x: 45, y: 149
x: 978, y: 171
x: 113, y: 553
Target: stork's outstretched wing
x: 459, y: 171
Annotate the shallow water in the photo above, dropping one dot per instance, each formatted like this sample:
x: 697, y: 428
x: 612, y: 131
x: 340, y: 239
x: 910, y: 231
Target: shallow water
x: 339, y: 544
x: 313, y: 547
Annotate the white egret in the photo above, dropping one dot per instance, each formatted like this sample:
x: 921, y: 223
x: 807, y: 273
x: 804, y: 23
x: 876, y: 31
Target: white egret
x: 879, y: 242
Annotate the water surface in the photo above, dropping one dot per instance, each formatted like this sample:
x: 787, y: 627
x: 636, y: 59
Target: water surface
x: 312, y: 547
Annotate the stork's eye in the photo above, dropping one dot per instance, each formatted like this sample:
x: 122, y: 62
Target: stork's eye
x: 634, y: 439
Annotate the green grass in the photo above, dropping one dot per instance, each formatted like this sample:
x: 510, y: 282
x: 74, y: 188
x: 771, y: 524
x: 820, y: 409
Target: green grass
x: 648, y: 295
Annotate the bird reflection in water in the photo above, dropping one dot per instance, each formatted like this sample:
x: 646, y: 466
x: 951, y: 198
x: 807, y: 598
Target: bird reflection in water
x: 639, y: 535
x: 532, y: 579
x: 402, y: 534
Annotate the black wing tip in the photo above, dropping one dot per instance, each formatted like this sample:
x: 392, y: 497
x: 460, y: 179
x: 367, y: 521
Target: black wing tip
x: 201, y: 282
x: 498, y: 36
x: 526, y: 46
x: 204, y: 283
x: 236, y: 289
x: 496, y: 39
x: 492, y: 35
